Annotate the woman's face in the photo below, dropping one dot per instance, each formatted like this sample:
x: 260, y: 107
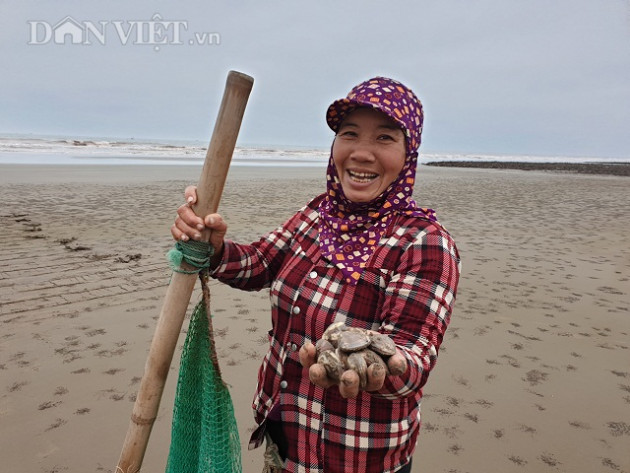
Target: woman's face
x: 369, y: 153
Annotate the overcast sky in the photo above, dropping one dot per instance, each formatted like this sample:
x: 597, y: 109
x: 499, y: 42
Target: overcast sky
x: 541, y: 77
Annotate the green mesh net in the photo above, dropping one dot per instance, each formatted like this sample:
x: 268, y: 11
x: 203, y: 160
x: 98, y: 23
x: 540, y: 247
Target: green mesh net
x: 204, y: 434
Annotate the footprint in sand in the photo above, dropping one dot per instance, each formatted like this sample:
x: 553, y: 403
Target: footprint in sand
x: 527, y: 429
x: 113, y: 371
x: 429, y: 427
x: 262, y: 340
x: 618, y: 429
x: 549, y: 459
x: 17, y: 386
x: 81, y: 371
x: 461, y: 380
x: 455, y: 449
x: 98, y: 331
x: 517, y: 460
x: 484, y: 403
x: 610, y: 464
x: 58, y: 423
x: 513, y: 362
x: 452, y: 401
x: 579, y: 425
x: 47, y: 405
x: 535, y: 377
x: 221, y: 333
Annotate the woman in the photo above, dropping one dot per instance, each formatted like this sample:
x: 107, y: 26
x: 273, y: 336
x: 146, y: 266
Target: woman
x: 362, y: 253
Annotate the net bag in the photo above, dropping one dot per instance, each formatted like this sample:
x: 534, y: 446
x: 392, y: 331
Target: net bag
x: 204, y: 433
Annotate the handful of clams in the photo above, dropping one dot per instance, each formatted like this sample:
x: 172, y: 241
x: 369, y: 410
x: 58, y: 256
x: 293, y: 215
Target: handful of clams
x: 342, y: 348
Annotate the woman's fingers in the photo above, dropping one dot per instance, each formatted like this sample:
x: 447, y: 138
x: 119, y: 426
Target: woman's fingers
x: 188, y: 226
x: 187, y: 216
x: 215, y: 222
x: 307, y: 355
x: 349, y: 384
x: 182, y: 231
x: 318, y: 376
x: 375, y: 377
x: 190, y: 195
x: 397, y: 364
x: 188, y: 222
x: 217, y: 230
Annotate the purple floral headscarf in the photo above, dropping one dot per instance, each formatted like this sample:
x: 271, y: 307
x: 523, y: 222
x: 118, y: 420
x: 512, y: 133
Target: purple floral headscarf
x: 350, y: 231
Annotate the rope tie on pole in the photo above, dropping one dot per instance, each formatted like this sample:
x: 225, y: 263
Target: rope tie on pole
x: 196, y: 254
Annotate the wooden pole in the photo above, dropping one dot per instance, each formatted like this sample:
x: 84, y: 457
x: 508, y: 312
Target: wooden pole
x: 210, y: 187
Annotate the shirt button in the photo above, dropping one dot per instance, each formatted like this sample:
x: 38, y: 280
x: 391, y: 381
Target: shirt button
x: 293, y: 347
x: 296, y: 310
x: 313, y: 274
x: 284, y: 384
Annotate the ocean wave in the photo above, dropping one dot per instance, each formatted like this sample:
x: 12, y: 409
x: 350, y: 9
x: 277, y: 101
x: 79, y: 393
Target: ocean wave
x: 38, y: 150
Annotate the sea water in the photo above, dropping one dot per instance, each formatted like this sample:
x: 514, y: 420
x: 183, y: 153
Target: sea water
x: 64, y: 151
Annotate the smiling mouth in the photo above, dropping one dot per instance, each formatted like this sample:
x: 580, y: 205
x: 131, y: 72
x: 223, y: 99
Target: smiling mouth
x: 362, y: 177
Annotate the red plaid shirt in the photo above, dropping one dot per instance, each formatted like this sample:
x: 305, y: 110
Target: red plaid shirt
x: 406, y: 291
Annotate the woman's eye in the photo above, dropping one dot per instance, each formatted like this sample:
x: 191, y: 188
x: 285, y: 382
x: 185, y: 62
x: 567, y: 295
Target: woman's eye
x: 348, y: 134
x: 386, y: 138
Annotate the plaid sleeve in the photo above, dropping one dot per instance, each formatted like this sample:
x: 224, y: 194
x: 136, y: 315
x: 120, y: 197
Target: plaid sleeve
x: 253, y: 267
x: 418, y: 304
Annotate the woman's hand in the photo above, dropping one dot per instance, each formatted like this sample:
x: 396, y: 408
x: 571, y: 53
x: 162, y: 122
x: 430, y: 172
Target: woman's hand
x: 188, y: 226
x: 349, y: 381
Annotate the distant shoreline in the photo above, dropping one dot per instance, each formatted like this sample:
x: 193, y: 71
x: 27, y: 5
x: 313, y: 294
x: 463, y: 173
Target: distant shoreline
x: 610, y: 169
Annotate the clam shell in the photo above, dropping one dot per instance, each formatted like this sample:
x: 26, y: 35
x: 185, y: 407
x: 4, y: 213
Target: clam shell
x: 333, y: 332
x: 353, y: 340
x: 323, y: 345
x: 382, y: 344
x: 357, y: 363
x: 371, y: 357
x: 331, y: 362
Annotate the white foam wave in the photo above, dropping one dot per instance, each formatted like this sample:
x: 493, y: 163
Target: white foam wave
x: 35, y: 150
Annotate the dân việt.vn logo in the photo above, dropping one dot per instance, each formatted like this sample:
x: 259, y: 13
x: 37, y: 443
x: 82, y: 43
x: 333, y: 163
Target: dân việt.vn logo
x: 155, y: 32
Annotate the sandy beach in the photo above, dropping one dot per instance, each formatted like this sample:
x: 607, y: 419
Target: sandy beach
x: 533, y: 376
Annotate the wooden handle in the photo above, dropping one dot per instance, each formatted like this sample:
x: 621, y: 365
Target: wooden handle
x: 219, y: 155
x: 169, y: 325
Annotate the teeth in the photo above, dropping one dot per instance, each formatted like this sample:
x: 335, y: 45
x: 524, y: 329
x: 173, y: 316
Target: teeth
x: 362, y: 176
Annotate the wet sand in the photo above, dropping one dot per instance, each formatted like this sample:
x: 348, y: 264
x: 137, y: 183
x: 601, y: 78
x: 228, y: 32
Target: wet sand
x: 533, y: 376
x: 607, y: 168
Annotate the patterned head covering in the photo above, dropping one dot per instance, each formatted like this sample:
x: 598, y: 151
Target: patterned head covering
x: 350, y: 231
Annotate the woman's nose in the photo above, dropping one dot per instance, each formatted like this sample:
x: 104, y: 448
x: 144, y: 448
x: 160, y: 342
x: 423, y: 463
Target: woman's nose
x: 362, y: 152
